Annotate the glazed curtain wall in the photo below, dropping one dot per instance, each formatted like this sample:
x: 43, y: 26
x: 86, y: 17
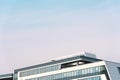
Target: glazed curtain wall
x: 73, y: 74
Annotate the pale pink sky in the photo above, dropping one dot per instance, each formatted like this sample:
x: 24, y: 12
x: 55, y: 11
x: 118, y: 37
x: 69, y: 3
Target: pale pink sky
x: 33, y: 32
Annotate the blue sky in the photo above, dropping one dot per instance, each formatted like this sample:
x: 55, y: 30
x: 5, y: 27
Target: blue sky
x: 32, y: 29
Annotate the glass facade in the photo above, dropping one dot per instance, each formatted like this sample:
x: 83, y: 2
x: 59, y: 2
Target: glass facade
x: 119, y: 69
x: 49, y: 67
x: 76, y: 58
x: 39, y: 70
x: 15, y: 76
x: 92, y: 78
x: 74, y: 74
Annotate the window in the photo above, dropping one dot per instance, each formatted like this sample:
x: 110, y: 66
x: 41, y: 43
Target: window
x: 39, y: 70
x: 119, y: 69
x: 92, y: 78
x: 75, y: 63
x: 75, y: 74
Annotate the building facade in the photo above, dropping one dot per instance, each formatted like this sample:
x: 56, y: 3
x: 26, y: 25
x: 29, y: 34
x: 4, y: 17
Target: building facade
x: 6, y: 76
x: 82, y: 66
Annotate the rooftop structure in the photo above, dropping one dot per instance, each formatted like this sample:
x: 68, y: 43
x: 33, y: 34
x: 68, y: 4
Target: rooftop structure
x: 80, y: 66
x: 77, y: 54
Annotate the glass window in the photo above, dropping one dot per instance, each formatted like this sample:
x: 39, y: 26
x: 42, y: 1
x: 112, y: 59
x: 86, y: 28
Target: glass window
x: 76, y: 73
x: 39, y: 70
x: 119, y: 69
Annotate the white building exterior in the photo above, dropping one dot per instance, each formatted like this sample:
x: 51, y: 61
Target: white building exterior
x: 81, y: 66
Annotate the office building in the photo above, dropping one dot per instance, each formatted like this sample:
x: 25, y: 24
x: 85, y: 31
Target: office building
x: 6, y: 76
x: 81, y: 66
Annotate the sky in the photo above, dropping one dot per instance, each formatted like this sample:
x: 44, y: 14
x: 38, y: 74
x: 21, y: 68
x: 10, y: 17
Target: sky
x: 36, y: 31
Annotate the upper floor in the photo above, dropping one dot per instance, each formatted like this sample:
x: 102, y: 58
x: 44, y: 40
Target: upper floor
x: 58, y: 64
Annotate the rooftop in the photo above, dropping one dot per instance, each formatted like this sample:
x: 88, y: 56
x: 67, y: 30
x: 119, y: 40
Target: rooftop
x: 84, y: 56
